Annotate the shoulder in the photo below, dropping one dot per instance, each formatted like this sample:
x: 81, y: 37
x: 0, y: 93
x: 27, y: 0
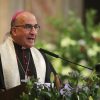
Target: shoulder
x: 35, y: 50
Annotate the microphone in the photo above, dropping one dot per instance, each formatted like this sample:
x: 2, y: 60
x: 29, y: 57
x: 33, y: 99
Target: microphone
x: 50, y: 53
x: 57, y: 56
x: 97, y: 68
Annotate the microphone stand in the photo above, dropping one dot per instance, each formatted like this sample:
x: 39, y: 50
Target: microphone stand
x: 57, y: 56
x: 57, y: 80
x: 75, y: 63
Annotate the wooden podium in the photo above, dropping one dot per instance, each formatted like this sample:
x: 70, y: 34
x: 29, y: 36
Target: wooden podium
x: 13, y: 93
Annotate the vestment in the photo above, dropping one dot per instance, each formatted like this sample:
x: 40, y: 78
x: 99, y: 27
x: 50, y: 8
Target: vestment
x: 10, y: 75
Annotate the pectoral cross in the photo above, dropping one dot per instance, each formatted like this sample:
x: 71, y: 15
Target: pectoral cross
x: 27, y: 78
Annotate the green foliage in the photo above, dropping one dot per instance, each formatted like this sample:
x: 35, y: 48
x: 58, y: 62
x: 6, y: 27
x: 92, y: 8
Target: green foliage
x: 75, y: 42
x: 77, y: 88
x: 80, y: 44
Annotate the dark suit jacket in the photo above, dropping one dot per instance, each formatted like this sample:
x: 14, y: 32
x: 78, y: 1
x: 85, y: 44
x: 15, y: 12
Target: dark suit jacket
x: 49, y: 69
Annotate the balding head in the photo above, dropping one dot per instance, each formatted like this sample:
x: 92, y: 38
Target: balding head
x: 21, y: 16
x: 24, y: 28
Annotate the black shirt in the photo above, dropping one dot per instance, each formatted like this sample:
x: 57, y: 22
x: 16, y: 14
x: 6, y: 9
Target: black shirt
x: 22, y: 56
x: 25, y: 62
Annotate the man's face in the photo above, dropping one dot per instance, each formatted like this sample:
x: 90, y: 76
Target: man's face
x: 25, y: 31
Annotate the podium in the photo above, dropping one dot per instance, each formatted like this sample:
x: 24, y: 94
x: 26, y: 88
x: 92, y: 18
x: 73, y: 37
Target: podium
x: 13, y: 93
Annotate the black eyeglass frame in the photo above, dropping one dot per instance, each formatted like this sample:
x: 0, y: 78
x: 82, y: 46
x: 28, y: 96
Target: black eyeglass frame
x: 29, y: 26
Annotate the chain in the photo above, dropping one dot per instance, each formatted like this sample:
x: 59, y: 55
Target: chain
x: 25, y: 72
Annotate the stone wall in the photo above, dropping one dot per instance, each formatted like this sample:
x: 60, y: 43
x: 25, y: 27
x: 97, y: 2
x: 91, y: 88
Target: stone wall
x: 41, y: 8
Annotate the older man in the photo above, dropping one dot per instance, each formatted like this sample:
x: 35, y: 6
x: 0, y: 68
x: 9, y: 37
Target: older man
x: 19, y: 59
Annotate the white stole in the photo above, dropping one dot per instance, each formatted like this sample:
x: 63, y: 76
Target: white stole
x: 10, y: 66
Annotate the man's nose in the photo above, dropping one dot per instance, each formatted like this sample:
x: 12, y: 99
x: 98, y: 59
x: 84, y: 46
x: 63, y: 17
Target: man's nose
x: 33, y: 31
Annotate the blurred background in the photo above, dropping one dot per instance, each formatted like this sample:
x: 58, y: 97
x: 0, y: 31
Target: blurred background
x: 41, y: 8
x: 70, y: 28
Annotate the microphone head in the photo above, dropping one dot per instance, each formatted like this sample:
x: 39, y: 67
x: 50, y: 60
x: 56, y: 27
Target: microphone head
x: 49, y: 53
x: 97, y: 68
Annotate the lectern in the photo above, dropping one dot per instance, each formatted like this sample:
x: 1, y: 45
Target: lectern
x: 13, y: 93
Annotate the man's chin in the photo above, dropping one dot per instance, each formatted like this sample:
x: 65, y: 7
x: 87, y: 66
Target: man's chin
x: 30, y: 45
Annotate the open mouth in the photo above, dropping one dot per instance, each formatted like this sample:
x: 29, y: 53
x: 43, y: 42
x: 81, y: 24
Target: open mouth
x: 31, y: 39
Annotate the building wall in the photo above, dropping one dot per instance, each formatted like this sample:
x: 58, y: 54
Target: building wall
x: 41, y: 8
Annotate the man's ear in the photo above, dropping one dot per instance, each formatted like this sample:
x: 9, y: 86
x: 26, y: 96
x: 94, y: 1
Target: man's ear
x: 14, y: 31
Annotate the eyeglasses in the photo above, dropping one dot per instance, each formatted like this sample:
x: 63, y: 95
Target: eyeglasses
x: 29, y: 26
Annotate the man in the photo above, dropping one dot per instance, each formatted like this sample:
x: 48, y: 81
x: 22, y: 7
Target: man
x: 19, y: 59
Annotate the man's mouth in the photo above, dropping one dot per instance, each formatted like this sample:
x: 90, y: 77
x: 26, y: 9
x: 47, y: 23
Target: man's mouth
x: 31, y: 39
